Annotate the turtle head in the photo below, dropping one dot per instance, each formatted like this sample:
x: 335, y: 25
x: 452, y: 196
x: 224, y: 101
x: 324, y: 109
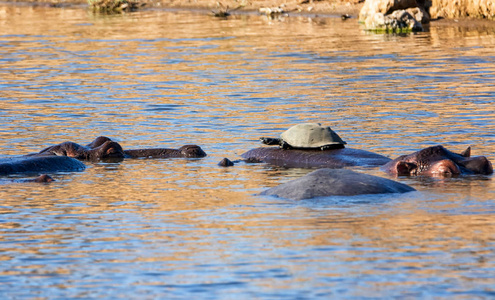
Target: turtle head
x: 270, y: 141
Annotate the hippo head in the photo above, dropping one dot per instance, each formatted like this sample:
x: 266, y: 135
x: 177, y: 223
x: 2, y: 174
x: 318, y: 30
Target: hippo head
x: 437, y: 160
x: 43, y: 178
x: 108, y: 149
x: 191, y: 151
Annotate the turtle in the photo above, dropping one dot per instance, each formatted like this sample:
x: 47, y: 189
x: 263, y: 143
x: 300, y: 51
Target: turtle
x: 307, y: 136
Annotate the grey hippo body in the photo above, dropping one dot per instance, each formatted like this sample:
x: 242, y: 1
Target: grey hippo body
x: 336, y: 182
x: 37, y: 164
x: 309, y: 158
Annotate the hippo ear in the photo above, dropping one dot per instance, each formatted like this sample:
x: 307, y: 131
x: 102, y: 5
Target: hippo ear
x: 98, y: 142
x: 111, y: 149
x: 467, y: 152
x: 405, y: 168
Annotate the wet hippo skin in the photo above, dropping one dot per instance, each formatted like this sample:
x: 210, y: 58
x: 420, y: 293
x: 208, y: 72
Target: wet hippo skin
x: 65, y: 156
x: 334, y: 158
x: 39, y: 164
x: 104, y: 148
x: 336, y: 182
x: 437, y: 160
x: 107, y: 149
x: 40, y: 179
x: 186, y: 151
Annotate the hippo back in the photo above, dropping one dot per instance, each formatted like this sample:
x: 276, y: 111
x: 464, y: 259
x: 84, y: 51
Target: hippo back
x: 39, y: 164
x: 336, y: 182
x: 333, y: 158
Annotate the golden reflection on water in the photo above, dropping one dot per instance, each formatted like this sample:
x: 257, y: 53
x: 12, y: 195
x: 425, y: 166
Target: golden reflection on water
x: 164, y: 79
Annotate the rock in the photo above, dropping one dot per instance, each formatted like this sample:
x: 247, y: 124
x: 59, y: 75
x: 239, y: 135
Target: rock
x: 336, y: 182
x: 385, y: 7
x: 225, y: 163
x: 271, y: 11
x: 483, y: 9
x: 420, y: 14
x: 398, y: 21
x: 394, y: 16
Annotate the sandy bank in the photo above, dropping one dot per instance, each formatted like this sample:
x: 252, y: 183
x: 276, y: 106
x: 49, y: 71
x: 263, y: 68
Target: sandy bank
x: 351, y: 7
x: 327, y: 7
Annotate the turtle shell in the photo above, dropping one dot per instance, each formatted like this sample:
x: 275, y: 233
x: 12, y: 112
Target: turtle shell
x: 311, y: 135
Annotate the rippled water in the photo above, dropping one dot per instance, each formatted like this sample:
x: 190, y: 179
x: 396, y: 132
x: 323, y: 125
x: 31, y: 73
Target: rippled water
x: 179, y: 228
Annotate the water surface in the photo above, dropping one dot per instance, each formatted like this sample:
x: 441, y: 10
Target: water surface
x: 181, y: 228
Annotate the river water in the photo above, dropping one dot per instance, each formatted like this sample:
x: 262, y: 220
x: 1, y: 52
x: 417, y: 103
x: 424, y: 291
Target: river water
x: 178, y: 228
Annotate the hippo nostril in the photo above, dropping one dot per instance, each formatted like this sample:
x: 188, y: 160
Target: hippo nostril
x: 406, y: 168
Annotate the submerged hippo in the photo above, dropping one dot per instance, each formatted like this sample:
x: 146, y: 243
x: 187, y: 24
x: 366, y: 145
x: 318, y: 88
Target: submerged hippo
x: 311, y: 145
x: 65, y: 157
x: 107, y: 149
x: 186, y: 151
x: 37, y: 164
x: 336, y: 182
x: 103, y: 148
x: 437, y: 160
x: 41, y: 179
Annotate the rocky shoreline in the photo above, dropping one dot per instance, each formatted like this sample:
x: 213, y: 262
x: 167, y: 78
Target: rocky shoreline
x: 438, y: 9
x: 322, y: 7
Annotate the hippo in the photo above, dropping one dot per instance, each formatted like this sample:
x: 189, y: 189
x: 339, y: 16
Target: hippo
x: 92, y: 152
x: 310, y: 158
x: 65, y: 157
x: 311, y: 145
x: 336, y: 182
x: 104, y: 148
x: 39, y: 164
x: 186, y: 151
x: 44, y: 178
x: 437, y: 160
